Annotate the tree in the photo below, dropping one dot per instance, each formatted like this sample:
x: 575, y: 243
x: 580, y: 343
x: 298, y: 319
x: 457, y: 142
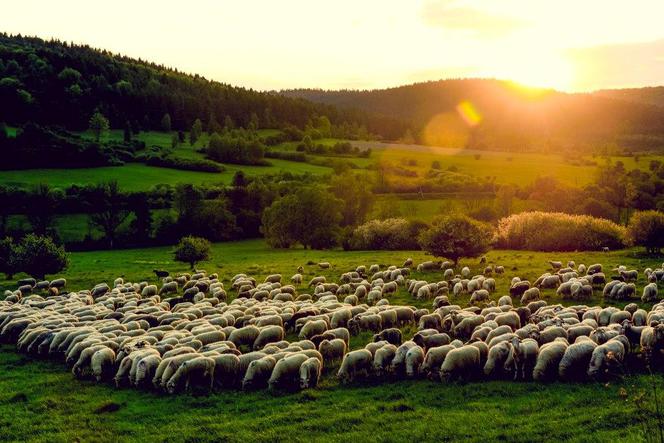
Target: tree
x: 192, y: 250
x: 98, y: 125
x: 187, y: 202
x: 38, y: 255
x: 239, y: 179
x: 141, y: 226
x: 127, y: 132
x: 166, y: 123
x: 213, y: 125
x: 41, y: 211
x: 228, y: 123
x: 195, y: 131
x: 354, y: 191
x: 253, y: 122
x: 646, y: 228
x: 175, y: 141
x: 456, y: 236
x: 8, y: 264
x: 109, y: 209
x: 309, y: 216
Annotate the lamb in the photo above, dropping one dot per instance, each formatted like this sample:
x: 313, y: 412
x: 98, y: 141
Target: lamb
x: 355, y: 363
x: 310, y: 372
x: 332, y: 350
x: 259, y: 372
x: 649, y: 293
x: 391, y: 335
x: 548, y: 360
x: 576, y: 359
x: 461, y: 363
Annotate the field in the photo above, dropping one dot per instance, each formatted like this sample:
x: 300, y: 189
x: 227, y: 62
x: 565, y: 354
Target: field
x: 41, y: 400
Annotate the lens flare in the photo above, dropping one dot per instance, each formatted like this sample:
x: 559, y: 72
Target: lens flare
x: 468, y: 113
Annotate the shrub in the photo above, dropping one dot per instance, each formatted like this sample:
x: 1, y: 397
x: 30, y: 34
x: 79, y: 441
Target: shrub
x: 389, y: 234
x: 287, y: 155
x: 187, y: 164
x: 646, y: 228
x: 485, y: 214
x: 8, y: 264
x: 556, y: 231
x: 456, y: 236
x: 192, y: 250
x: 37, y: 256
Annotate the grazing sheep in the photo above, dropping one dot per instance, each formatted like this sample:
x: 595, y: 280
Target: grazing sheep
x: 461, y: 363
x: 355, y: 363
x: 649, y: 293
x: 246, y: 335
x: 607, y: 358
x: 465, y: 271
x: 310, y: 372
x: 324, y: 265
x: 519, y: 288
x: 575, y: 360
x: 391, y: 335
x: 198, y: 371
x: 434, y: 359
x: 382, y: 359
x: 529, y: 295
x: 556, y: 265
x: 312, y: 328
x: 286, y: 372
x: 414, y: 359
x: 497, y: 357
x: 594, y: 269
x: 268, y: 334
x: 332, y: 350
x: 548, y: 360
x: 523, y: 358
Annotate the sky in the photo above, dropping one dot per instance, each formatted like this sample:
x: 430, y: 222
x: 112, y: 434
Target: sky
x: 571, y: 45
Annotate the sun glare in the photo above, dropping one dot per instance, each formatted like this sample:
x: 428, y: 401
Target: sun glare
x: 542, y: 72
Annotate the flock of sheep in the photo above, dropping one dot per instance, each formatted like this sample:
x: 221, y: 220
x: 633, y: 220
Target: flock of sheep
x: 188, y: 334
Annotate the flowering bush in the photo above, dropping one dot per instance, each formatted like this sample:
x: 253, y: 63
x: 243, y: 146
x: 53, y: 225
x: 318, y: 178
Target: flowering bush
x: 556, y: 231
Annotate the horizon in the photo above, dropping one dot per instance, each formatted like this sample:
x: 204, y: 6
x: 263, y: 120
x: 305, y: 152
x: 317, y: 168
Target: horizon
x: 374, y: 45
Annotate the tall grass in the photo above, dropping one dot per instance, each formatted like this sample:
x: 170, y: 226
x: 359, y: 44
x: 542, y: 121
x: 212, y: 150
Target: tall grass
x: 556, y: 231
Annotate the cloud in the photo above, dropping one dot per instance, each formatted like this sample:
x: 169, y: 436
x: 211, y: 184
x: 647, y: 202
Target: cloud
x: 450, y: 15
x: 618, y: 65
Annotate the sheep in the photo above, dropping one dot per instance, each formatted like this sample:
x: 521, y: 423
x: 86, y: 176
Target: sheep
x: 316, y: 281
x: 431, y: 340
x: 310, y: 372
x: 382, y: 359
x: 498, y: 355
x: 246, y: 335
x: 268, y: 334
x: 523, y: 358
x: 629, y: 276
x: 461, y: 363
x: 332, y: 350
x: 510, y: 319
x: 556, y: 265
x: 258, y: 372
x: 433, y: 360
x: 479, y: 296
x: 340, y: 318
x: 296, y: 279
x: 649, y: 293
x: 548, y: 360
x: 324, y: 265
x: 312, y: 328
x: 354, y: 364
x: 606, y: 358
x: 594, y: 269
x: 576, y: 359
x: 652, y: 342
x: 518, y: 288
x: 391, y: 335
x: 198, y: 371
x: 529, y: 295
x: 414, y: 359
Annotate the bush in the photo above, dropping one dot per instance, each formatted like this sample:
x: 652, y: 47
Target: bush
x: 456, y: 236
x: 646, y: 228
x: 485, y: 214
x: 287, y: 155
x: 389, y: 234
x: 192, y: 250
x: 8, y: 264
x: 556, y: 231
x: 186, y: 164
x: 37, y: 256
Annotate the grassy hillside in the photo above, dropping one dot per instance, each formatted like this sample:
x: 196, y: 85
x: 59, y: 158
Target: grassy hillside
x: 41, y: 401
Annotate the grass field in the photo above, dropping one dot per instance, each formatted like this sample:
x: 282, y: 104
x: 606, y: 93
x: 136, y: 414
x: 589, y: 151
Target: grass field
x: 41, y: 401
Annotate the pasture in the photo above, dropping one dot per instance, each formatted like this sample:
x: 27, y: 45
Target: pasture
x: 41, y: 401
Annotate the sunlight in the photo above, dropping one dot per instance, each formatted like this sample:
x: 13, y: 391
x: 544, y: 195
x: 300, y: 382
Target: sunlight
x: 543, y: 71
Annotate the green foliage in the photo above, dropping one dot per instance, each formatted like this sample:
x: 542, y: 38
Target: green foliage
x: 455, y: 236
x: 236, y: 148
x: 192, y: 250
x: 185, y: 164
x: 195, y: 132
x: 109, y: 209
x: 555, y: 231
x: 355, y: 192
x: 38, y: 255
x: 8, y: 258
x: 98, y: 124
x: 646, y: 228
x: 165, y: 124
x: 310, y: 216
x: 390, y: 234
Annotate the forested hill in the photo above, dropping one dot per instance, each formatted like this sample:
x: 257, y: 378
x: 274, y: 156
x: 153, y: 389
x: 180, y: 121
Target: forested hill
x: 653, y: 95
x: 512, y: 117
x: 58, y: 83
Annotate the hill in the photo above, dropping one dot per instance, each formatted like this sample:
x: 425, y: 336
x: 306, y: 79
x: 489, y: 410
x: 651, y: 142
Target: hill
x: 58, y: 83
x: 653, y: 95
x: 500, y: 115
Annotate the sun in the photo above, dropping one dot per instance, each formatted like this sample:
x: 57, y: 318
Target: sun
x: 543, y: 71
